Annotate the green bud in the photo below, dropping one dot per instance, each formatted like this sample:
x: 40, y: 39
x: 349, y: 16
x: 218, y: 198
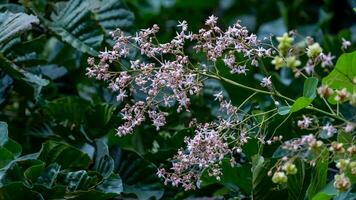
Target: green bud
x: 285, y: 42
x: 353, y: 167
x: 279, y: 177
x: 292, y: 62
x: 278, y: 62
x: 342, y: 164
x: 314, y: 50
x: 290, y: 168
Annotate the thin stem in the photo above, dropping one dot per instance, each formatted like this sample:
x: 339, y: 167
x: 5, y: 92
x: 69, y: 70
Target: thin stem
x: 327, y: 104
x: 246, y: 100
x: 270, y: 93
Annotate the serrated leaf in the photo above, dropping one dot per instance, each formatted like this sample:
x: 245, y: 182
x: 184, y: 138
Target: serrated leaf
x: 138, y: 175
x: 112, y: 14
x: 74, y: 23
x: 13, y: 24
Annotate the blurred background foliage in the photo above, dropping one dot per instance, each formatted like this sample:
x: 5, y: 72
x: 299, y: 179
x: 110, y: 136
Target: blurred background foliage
x: 62, y: 124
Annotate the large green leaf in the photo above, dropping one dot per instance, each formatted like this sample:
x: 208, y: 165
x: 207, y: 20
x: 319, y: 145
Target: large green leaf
x: 75, y: 24
x: 310, y: 86
x: 9, y: 149
x: 13, y: 24
x: 63, y: 154
x: 17, y: 73
x: 17, y: 191
x: 297, y: 182
x: 112, y: 14
x: 318, y: 175
x: 138, y: 175
x: 343, y: 74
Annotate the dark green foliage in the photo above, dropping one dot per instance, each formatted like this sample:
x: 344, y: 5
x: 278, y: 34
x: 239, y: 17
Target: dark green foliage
x: 57, y: 127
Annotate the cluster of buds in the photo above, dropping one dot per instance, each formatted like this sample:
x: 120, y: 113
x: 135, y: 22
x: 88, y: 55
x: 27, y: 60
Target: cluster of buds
x: 340, y: 96
x: 281, y: 176
x: 289, y: 55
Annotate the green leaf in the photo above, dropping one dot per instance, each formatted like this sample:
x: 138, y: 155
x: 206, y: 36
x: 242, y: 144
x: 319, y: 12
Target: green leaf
x: 138, y: 175
x: 17, y: 191
x: 300, y: 103
x: 283, y: 110
x: 310, y: 86
x: 342, y: 75
x: 3, y: 133
x: 112, y: 14
x: 103, y: 164
x: 13, y: 24
x: 9, y: 149
x: 28, y: 78
x: 234, y: 178
x: 48, y: 175
x: 63, y: 154
x: 296, y: 182
x: 74, y: 23
x: 113, y: 184
x: 318, y: 175
x: 79, y: 180
x: 326, y: 193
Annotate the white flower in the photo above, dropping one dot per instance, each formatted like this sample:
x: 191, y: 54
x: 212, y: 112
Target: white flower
x: 219, y: 96
x: 345, y: 44
x: 305, y: 123
x: 326, y: 60
x: 266, y: 82
x: 211, y: 21
x: 329, y: 129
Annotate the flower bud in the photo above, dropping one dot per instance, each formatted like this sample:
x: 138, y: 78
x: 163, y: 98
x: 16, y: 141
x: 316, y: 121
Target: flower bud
x: 353, y: 167
x: 337, y: 147
x: 290, y: 168
x: 278, y: 62
x: 314, y: 50
x: 279, y: 177
x: 341, y: 183
x: 325, y: 91
x: 341, y: 95
x: 285, y: 42
x: 292, y: 62
x: 352, y: 150
x: 342, y: 164
x: 315, y: 145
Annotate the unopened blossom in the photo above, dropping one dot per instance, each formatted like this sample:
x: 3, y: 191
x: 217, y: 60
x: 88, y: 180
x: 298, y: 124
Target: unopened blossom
x: 266, y: 82
x: 279, y: 178
x: 314, y: 50
x: 325, y: 91
x: 349, y: 127
x: 341, y: 95
x: 305, y: 123
x: 337, y: 147
x: 345, y: 44
x: 341, y: 182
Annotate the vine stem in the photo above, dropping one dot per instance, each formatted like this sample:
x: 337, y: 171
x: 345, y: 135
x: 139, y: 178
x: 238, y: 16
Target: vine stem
x: 218, y: 77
